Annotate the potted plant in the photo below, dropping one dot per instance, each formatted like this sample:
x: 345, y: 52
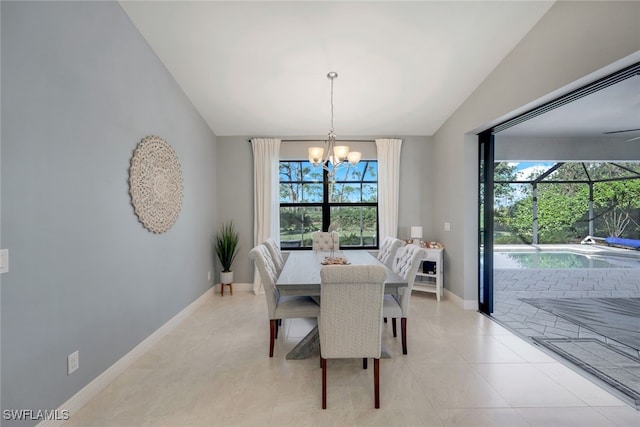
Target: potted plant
x: 227, y: 249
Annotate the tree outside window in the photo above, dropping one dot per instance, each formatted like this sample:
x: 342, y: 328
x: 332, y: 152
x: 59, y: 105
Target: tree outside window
x: 310, y: 202
x: 563, y: 196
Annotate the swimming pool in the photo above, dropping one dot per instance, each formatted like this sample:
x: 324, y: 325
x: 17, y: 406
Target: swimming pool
x: 560, y: 260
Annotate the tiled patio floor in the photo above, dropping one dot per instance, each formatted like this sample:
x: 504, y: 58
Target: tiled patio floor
x: 512, y: 285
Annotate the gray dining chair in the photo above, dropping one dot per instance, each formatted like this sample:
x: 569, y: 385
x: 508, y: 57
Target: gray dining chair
x: 324, y: 241
x: 350, y: 322
x: 276, y: 254
x: 279, y: 307
x: 388, y: 250
x: 406, y: 266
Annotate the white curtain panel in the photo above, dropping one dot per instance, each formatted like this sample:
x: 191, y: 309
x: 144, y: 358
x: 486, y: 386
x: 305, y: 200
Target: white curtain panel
x: 388, y: 186
x: 266, y: 203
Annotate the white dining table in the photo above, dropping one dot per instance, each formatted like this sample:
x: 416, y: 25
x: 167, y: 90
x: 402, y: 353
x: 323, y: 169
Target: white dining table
x: 301, y: 276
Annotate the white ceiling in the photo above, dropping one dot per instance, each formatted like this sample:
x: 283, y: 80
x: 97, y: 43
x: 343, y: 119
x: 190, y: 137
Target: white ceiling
x: 259, y: 68
x: 615, y: 108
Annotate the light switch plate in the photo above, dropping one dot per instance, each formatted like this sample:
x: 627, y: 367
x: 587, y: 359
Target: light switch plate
x: 4, y: 261
x: 73, y: 362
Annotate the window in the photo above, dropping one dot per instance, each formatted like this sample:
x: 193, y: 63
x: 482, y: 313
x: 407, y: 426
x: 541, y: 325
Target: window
x: 309, y: 202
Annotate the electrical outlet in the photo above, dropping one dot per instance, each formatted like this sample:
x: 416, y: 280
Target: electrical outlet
x: 447, y: 226
x: 209, y: 276
x: 73, y: 362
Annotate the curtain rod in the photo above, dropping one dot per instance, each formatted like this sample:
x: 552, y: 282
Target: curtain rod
x: 321, y: 140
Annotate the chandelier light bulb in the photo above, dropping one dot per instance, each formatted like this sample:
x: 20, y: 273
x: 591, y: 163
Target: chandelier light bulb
x: 340, y: 153
x: 354, y: 157
x: 315, y: 155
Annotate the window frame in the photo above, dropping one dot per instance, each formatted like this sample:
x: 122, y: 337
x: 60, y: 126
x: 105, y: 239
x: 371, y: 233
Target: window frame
x: 326, y: 205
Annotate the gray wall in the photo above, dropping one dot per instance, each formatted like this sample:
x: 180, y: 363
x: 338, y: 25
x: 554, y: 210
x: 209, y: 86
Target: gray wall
x: 573, y: 40
x: 235, y: 163
x: 80, y: 89
x: 234, y: 172
x: 417, y: 182
x: 0, y: 218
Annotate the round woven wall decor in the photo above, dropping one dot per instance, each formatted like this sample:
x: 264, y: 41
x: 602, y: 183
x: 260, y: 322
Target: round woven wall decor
x: 155, y: 184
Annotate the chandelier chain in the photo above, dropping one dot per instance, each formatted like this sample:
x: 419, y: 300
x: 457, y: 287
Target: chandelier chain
x: 332, y: 77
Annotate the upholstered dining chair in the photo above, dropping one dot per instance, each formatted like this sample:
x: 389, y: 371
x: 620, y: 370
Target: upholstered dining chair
x: 350, y: 322
x: 324, y: 241
x: 388, y: 250
x: 408, y: 261
x: 276, y: 254
x: 279, y: 307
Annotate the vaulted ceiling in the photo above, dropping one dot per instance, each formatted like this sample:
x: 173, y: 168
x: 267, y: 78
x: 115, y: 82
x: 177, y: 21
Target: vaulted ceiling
x: 259, y: 68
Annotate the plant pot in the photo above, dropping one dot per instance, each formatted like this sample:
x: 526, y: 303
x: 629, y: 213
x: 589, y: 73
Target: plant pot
x: 226, y: 277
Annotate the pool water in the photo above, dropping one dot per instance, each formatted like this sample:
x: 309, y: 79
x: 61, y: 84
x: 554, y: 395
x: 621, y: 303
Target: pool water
x: 560, y: 259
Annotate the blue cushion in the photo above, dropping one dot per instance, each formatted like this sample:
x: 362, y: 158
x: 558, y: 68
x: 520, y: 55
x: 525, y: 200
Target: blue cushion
x: 632, y: 243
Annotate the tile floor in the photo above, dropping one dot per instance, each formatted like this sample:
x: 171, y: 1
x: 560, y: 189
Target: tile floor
x: 462, y: 369
x: 511, y: 286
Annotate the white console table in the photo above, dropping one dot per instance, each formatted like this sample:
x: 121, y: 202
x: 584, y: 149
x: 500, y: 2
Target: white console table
x: 431, y: 281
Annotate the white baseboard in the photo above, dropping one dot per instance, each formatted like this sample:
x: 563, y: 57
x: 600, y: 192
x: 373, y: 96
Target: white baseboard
x: 89, y: 391
x: 462, y: 303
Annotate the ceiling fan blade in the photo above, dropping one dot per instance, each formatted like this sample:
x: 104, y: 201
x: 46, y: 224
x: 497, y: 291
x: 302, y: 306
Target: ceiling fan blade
x: 620, y: 131
x: 633, y: 139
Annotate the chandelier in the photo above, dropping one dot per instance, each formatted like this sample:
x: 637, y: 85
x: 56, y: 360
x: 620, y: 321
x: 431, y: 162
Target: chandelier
x: 337, y: 155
